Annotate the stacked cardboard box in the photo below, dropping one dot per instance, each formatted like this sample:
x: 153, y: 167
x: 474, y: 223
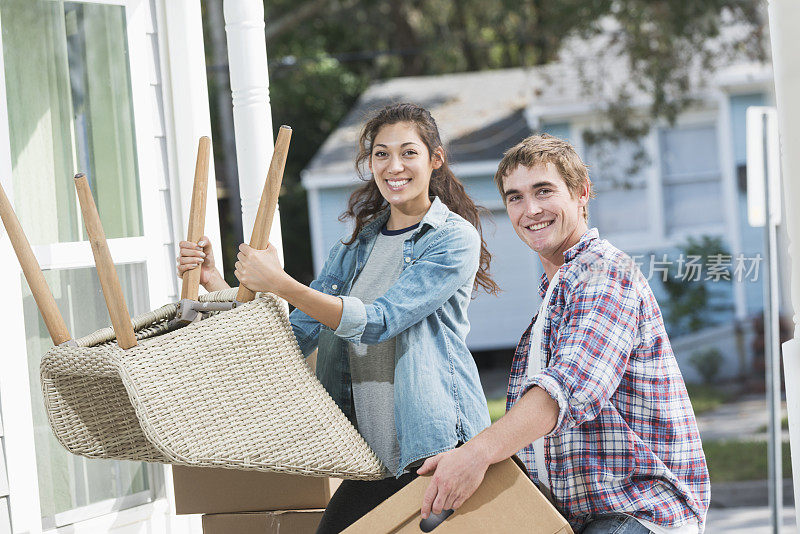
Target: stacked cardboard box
x: 284, y: 522
x: 251, y: 502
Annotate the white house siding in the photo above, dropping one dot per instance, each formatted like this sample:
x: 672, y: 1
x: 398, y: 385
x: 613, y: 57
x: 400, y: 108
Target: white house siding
x: 496, y: 322
x: 160, y: 147
x: 5, y: 523
x: 482, y: 189
x: 5, y: 518
x: 332, y: 202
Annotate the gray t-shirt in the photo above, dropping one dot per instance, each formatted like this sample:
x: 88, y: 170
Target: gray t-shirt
x: 372, y: 366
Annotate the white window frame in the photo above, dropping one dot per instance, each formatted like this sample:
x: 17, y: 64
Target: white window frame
x: 147, y: 249
x: 99, y: 509
x: 699, y: 118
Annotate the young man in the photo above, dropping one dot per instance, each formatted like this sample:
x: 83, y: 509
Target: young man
x: 597, y: 407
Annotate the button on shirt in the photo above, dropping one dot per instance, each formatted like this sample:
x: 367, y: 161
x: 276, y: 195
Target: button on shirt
x: 626, y: 439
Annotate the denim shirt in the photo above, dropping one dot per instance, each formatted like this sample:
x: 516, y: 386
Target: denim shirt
x: 438, y: 398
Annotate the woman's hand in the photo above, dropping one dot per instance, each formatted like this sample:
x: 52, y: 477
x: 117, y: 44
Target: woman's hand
x: 200, y: 253
x: 260, y: 270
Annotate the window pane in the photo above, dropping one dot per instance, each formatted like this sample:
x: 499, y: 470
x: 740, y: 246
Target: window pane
x: 690, y: 172
x: 67, y: 481
x: 617, y: 173
x: 689, y: 151
x: 620, y: 210
x: 70, y: 110
x: 692, y: 204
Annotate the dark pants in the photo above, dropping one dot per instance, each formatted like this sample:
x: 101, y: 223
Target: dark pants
x: 355, y: 498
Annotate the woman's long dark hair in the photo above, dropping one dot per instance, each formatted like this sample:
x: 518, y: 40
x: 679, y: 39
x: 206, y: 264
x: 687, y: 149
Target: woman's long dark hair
x: 366, y: 202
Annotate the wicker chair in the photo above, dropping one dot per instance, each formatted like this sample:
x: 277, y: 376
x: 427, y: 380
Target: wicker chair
x: 230, y: 391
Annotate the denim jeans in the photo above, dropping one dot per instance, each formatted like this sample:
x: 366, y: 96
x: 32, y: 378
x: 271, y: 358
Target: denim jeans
x: 614, y: 524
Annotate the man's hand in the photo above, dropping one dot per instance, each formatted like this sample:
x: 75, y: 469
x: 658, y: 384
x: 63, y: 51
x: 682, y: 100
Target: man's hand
x: 458, y: 473
x: 456, y: 476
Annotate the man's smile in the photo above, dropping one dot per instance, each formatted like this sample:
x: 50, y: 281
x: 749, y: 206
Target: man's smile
x: 539, y: 226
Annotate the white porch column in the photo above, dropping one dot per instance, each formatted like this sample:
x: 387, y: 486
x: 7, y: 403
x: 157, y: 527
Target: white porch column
x: 784, y: 19
x: 252, y: 118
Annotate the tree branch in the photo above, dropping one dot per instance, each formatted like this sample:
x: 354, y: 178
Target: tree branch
x: 295, y: 17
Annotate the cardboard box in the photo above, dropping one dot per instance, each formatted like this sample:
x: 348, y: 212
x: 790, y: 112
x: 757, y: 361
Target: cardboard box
x: 279, y: 522
x: 208, y: 490
x: 506, y: 501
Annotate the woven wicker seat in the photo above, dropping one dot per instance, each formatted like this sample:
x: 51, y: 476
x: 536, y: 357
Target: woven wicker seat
x: 229, y: 391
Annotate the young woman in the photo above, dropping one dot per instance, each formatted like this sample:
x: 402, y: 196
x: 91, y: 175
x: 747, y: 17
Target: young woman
x: 388, y: 311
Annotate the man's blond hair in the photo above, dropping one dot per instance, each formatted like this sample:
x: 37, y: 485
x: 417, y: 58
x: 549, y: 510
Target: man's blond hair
x: 542, y: 149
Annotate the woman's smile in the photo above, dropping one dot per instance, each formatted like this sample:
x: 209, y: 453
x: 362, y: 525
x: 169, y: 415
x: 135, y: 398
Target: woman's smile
x: 397, y: 184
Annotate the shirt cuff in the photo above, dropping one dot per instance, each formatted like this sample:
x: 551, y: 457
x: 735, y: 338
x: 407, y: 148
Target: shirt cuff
x: 353, y: 321
x: 554, y: 389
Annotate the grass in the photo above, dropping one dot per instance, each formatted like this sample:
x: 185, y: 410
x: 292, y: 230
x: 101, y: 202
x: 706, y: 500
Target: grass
x: 497, y: 408
x: 706, y: 398
x: 784, y: 425
x: 731, y: 460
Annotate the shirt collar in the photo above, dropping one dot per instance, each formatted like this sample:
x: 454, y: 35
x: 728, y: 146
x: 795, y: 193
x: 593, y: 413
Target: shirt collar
x: 437, y: 214
x: 569, y: 254
x: 586, y: 239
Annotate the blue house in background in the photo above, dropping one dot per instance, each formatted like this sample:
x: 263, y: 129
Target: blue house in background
x: 692, y: 185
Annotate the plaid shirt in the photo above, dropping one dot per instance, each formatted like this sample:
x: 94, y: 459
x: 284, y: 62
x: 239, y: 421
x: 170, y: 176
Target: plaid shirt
x: 626, y: 439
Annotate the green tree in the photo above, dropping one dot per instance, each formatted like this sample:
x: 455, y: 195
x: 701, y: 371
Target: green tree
x: 690, y: 304
x: 324, y: 53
